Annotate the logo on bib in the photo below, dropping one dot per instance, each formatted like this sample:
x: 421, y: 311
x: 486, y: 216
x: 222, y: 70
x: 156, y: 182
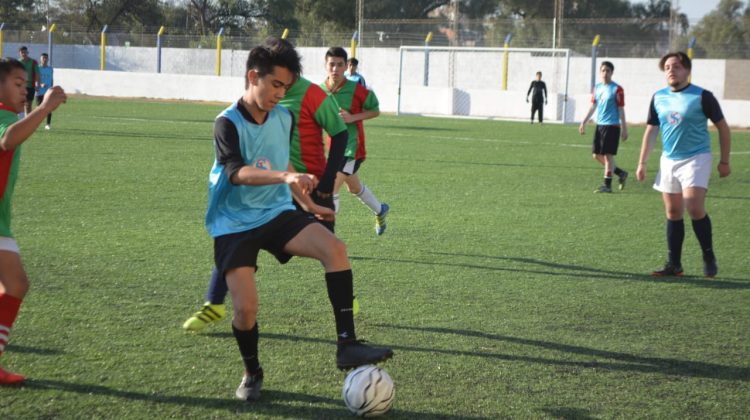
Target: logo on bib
x: 674, y: 118
x: 263, y: 163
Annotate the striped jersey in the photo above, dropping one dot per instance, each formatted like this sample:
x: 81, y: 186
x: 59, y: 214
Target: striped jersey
x: 239, y: 141
x: 32, y: 71
x: 312, y: 109
x: 608, y: 99
x: 354, y: 98
x: 682, y: 119
x: 9, y: 161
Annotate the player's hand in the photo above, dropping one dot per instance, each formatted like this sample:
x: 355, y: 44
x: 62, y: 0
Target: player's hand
x: 54, y: 97
x: 724, y: 169
x: 304, y: 182
x: 346, y: 116
x: 320, y: 212
x: 582, y: 128
x: 624, y: 134
x: 640, y: 173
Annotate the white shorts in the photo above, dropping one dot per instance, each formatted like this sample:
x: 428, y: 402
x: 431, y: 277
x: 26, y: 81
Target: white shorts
x: 674, y: 176
x: 8, y: 244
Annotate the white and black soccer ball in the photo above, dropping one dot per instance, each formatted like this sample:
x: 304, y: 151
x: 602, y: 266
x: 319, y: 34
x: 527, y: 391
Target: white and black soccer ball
x: 368, y: 391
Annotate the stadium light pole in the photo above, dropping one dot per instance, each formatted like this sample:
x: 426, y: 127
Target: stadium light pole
x: 103, y: 48
x: 690, y: 53
x: 285, y: 33
x: 158, y: 48
x: 360, y: 17
x: 50, y: 30
x: 594, y: 51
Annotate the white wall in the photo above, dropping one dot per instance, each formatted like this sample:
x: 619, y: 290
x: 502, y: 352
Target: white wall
x: 474, y: 88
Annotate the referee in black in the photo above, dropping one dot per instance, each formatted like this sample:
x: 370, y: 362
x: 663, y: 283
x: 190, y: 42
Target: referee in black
x: 538, y: 96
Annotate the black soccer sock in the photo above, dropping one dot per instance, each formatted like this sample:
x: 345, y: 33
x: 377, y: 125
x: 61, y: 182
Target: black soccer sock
x: 702, y: 229
x: 608, y: 179
x: 675, y: 236
x: 341, y: 294
x: 248, y: 344
x: 618, y: 171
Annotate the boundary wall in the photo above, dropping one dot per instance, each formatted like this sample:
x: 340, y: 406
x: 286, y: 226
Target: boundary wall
x: 189, y: 74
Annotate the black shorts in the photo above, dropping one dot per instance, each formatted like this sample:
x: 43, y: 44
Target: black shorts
x: 39, y: 99
x: 30, y: 93
x: 241, y: 249
x: 321, y: 202
x: 606, y: 140
x: 351, y: 166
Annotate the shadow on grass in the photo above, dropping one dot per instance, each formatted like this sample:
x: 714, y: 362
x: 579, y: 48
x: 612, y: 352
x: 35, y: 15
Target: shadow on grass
x: 130, y: 134
x: 13, y: 348
x: 623, y: 361
x: 272, y: 402
x: 568, y: 413
x: 568, y: 270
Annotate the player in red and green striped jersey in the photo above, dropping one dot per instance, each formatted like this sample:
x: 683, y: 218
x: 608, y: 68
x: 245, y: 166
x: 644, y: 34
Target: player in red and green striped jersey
x: 13, y: 281
x: 312, y: 111
x: 356, y: 104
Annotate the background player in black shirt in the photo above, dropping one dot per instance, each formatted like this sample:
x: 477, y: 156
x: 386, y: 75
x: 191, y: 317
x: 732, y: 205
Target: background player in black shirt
x: 539, y: 95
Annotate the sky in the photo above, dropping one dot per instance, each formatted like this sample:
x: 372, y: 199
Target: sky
x: 694, y: 9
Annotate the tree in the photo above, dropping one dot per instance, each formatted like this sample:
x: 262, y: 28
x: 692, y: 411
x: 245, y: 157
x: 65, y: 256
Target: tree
x: 724, y: 33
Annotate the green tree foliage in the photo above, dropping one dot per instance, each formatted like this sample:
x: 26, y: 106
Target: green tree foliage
x: 725, y: 32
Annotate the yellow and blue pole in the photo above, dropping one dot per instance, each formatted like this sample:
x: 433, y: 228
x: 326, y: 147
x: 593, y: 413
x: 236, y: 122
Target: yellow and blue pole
x: 353, y: 51
x: 49, y: 41
x: 285, y: 33
x: 218, y: 51
x: 426, y: 79
x: 691, y: 52
x: 594, y: 51
x: 506, y: 45
x: 158, y: 48
x: 103, y: 48
x: 2, y: 25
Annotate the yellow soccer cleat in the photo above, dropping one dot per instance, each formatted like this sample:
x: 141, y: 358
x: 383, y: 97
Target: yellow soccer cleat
x: 207, y: 315
x: 355, y: 306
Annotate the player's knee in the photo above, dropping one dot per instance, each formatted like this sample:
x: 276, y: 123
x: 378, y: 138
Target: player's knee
x: 245, y: 315
x: 696, y: 212
x: 338, y: 249
x: 674, y: 213
x: 16, y: 285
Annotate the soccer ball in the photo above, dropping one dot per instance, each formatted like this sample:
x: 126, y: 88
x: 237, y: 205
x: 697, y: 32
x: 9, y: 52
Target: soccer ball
x: 368, y: 391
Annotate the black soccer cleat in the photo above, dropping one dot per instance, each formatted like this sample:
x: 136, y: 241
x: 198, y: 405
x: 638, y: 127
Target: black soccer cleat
x: 710, y: 269
x: 668, y: 270
x: 355, y: 353
x: 249, y: 389
x: 621, y: 179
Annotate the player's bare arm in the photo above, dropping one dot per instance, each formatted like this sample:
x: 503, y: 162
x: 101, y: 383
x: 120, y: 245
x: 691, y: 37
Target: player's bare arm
x: 364, y: 115
x: 24, y: 128
x: 248, y: 175
x: 624, y: 124
x: 725, y: 145
x: 582, y: 127
x: 649, y: 139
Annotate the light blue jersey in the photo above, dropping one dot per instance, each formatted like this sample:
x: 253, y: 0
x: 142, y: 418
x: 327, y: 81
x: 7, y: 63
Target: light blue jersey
x: 357, y: 78
x: 682, y: 119
x: 608, y: 98
x: 46, y: 79
x: 238, y: 208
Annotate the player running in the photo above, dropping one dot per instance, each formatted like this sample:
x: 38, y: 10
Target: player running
x: 13, y: 281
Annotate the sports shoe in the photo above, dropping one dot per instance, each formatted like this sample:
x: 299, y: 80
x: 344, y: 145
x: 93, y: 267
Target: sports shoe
x: 603, y: 189
x: 380, y: 219
x: 10, y: 378
x: 710, y: 269
x: 668, y: 270
x: 621, y: 179
x: 355, y: 353
x: 47, y: 127
x: 207, y: 315
x: 249, y: 389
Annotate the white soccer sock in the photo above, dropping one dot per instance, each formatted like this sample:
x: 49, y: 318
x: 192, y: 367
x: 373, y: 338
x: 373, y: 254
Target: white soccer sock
x: 368, y: 198
x: 336, y: 203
